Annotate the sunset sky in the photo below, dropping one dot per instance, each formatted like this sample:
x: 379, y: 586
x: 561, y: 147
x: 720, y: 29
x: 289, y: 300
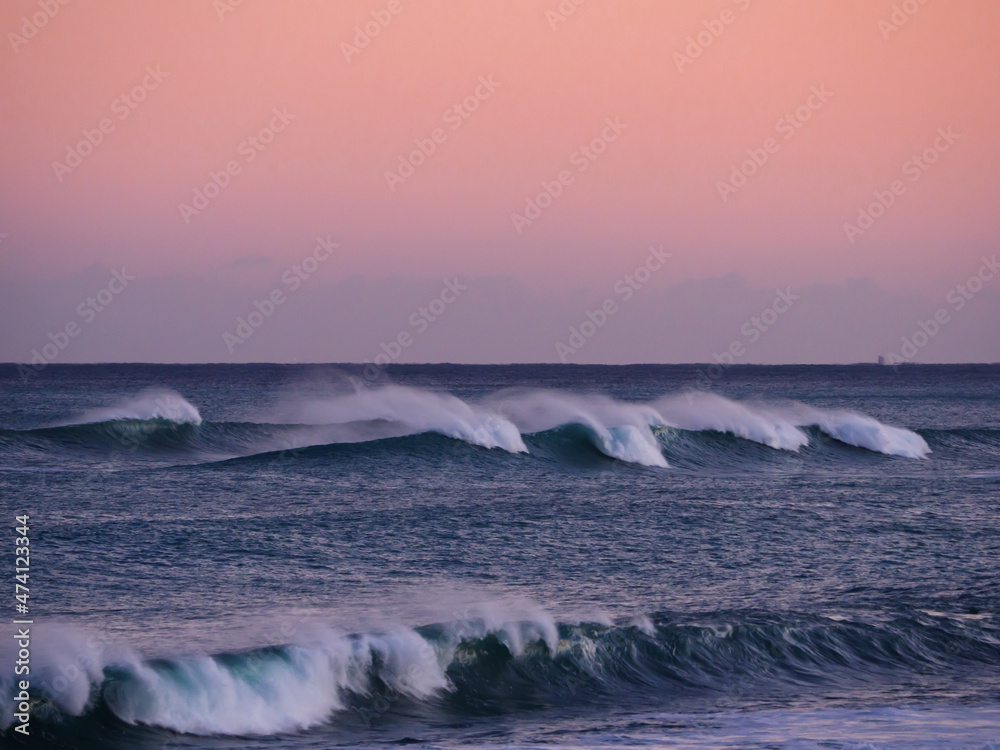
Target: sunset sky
x: 634, y: 114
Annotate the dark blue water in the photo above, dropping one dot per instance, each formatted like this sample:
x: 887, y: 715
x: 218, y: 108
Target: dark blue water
x: 269, y: 556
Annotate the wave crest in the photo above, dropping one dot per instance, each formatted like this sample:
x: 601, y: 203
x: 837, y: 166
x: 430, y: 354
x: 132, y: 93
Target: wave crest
x: 490, y: 657
x: 861, y: 431
x: 150, y: 404
x: 709, y: 411
x: 414, y: 409
x: 618, y: 429
x: 163, y: 423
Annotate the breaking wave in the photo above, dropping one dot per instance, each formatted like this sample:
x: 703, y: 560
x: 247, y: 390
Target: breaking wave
x: 163, y: 426
x: 617, y: 429
x: 167, y: 405
x: 415, y: 411
x: 862, y: 431
x: 708, y: 411
x: 485, y: 659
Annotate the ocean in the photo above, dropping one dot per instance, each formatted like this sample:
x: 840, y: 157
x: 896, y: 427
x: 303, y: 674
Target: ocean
x: 317, y: 556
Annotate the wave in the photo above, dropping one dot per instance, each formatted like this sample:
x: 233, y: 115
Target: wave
x: 860, y: 431
x: 149, y: 405
x: 487, y: 659
x: 698, y: 411
x: 162, y: 426
x: 628, y: 431
x: 414, y: 409
x: 618, y: 429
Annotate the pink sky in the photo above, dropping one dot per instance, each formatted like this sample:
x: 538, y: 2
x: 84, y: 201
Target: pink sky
x: 887, y: 94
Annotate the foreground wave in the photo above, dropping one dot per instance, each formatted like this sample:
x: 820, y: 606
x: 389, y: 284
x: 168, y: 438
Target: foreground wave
x: 513, y: 421
x: 489, y: 663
